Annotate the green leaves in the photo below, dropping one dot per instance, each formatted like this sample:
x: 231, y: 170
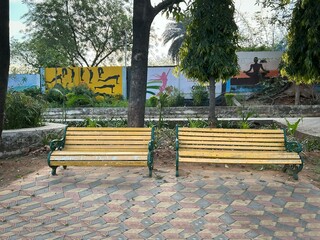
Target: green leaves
x: 302, y: 59
x: 83, y: 32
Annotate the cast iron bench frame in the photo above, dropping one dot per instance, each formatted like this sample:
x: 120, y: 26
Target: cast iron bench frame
x: 237, y: 146
x: 104, y: 146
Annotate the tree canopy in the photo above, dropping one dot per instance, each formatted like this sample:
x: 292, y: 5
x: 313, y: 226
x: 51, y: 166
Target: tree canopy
x: 302, y: 59
x: 79, y: 32
x: 208, y: 53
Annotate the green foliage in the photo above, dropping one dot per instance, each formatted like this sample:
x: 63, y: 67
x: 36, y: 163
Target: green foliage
x: 229, y: 98
x: 22, y: 111
x: 292, y: 127
x: 197, y: 123
x: 176, y: 98
x: 200, y: 95
x: 245, y: 115
x: 152, y: 102
x: 311, y: 144
x: 302, y: 59
x: 209, y: 49
x: 88, y: 122
x: 72, y: 30
x: 33, y: 92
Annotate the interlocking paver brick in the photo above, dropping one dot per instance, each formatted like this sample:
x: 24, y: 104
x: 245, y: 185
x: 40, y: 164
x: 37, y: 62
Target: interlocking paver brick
x: 112, y: 203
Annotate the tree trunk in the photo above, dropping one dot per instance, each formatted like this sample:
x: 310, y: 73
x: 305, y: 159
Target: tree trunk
x: 142, y: 19
x: 4, y: 59
x: 297, y: 94
x: 212, y: 103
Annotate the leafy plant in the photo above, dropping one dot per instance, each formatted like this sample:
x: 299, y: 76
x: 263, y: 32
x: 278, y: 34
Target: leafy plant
x: 292, y: 127
x: 175, y: 98
x: 152, y: 101
x: 22, y: 111
x: 229, y: 98
x: 198, y: 123
x: 200, y: 95
x: 88, y: 122
x: 244, y: 122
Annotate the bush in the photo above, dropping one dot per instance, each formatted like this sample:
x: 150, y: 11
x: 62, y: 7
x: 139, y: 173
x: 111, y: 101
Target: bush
x: 22, y: 111
x: 200, y: 95
x: 152, y: 102
x: 176, y: 98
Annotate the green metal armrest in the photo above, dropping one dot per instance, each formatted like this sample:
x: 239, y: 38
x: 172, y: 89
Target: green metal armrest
x: 57, y: 144
x: 293, y: 146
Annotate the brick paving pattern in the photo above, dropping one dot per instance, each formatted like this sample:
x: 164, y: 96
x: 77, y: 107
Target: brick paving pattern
x: 123, y: 203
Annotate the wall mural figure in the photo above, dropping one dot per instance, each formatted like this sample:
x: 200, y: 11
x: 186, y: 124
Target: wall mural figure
x: 91, y: 75
x: 101, y: 80
x: 81, y: 74
x: 100, y: 72
x: 114, y: 77
x: 111, y: 86
x: 56, y: 78
x: 163, y: 78
x: 72, y: 75
x: 256, y: 74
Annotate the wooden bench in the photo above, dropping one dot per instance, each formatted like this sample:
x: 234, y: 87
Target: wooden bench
x: 103, y: 147
x: 237, y: 146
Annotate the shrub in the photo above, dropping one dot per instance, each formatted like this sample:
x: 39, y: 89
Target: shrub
x: 228, y: 97
x: 176, y: 98
x: 22, y: 111
x: 152, y: 102
x: 200, y: 95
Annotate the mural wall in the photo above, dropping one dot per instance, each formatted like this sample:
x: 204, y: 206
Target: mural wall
x: 254, y: 68
x: 161, y: 77
x: 104, y: 80
x: 20, y: 82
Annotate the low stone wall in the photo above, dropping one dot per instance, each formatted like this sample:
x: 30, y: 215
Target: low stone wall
x: 79, y: 114
x: 21, y: 141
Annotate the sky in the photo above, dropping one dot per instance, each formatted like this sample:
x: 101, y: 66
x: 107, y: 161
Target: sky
x: 156, y: 51
x: 18, y: 9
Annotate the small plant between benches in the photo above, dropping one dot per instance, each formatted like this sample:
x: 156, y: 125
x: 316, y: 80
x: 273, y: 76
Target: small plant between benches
x: 237, y: 146
x: 127, y: 147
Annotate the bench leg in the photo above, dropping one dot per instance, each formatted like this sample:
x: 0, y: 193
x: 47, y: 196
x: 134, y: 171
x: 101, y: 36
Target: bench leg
x: 64, y: 167
x: 54, y: 170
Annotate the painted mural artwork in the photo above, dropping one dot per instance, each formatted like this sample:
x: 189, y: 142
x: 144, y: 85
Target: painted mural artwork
x: 102, y: 80
x: 159, y: 82
x: 20, y: 82
x: 159, y: 78
x: 256, y: 70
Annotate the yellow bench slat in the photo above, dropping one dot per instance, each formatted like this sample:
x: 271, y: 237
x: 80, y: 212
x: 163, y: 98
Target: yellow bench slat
x: 100, y: 133
x: 271, y: 144
x: 97, y: 142
x: 100, y: 163
x: 239, y: 161
x: 99, y: 158
x: 230, y: 135
x: 77, y: 153
x: 108, y: 148
x: 230, y: 130
x: 107, y: 129
x: 182, y: 138
x: 261, y: 148
x: 239, y: 154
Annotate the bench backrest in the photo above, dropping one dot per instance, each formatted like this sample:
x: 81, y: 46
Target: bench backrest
x: 107, y: 139
x: 231, y: 139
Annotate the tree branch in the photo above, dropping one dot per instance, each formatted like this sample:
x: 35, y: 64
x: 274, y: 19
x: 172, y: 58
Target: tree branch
x: 165, y: 4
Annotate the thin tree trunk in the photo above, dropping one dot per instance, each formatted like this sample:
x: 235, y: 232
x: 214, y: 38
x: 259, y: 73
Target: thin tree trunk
x: 4, y: 59
x: 212, y: 102
x: 297, y: 94
x: 142, y: 19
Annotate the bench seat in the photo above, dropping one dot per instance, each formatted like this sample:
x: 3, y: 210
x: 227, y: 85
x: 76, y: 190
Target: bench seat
x: 237, y: 146
x: 130, y: 147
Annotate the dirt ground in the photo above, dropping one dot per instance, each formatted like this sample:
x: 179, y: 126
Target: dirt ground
x: 18, y: 167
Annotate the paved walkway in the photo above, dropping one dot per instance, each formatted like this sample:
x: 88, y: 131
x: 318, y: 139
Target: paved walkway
x: 123, y: 203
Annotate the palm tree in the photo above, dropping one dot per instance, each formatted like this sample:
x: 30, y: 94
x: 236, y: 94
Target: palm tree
x: 175, y: 33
